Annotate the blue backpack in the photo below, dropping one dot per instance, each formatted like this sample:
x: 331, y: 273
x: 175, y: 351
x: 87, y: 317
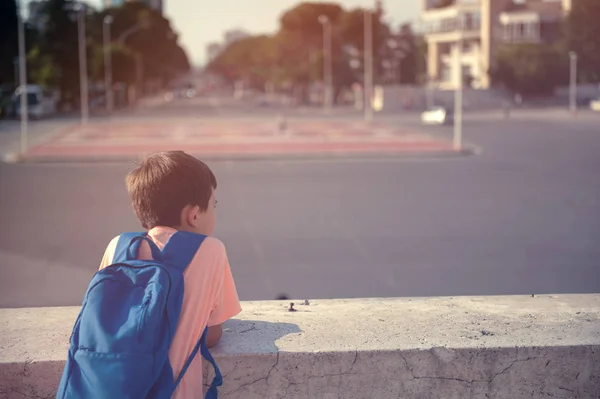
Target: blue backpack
x: 120, y: 344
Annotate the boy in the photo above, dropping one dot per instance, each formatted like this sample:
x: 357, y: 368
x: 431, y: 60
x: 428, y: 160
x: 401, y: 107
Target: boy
x: 173, y: 191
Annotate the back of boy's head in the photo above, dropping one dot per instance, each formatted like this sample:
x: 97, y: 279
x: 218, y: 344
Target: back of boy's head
x: 166, y: 182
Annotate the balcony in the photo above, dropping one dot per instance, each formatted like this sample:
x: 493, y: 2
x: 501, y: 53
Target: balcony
x: 449, y: 9
x: 440, y: 4
x: 452, y: 25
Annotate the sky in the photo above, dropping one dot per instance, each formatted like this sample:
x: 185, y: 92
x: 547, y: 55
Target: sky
x: 200, y: 22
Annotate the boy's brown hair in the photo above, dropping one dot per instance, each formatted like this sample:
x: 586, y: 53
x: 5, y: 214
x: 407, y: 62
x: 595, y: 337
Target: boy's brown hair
x: 164, y: 183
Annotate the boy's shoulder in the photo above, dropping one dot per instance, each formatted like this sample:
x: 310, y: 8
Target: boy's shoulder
x: 213, y: 243
x: 212, y: 250
x: 211, y: 247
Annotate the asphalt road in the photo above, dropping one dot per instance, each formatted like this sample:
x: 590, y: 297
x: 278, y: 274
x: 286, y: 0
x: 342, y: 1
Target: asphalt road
x: 522, y: 217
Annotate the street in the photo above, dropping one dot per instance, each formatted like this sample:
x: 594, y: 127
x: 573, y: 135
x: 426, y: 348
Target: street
x: 520, y: 217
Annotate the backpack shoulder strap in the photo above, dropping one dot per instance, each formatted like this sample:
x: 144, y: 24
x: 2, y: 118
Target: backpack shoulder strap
x: 181, y: 249
x: 125, y: 240
x: 217, y: 381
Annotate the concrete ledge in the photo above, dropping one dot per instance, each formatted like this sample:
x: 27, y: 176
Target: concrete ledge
x: 475, y: 347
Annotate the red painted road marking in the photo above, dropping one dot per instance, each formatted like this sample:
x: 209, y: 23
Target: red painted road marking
x: 240, y: 149
x: 203, y: 138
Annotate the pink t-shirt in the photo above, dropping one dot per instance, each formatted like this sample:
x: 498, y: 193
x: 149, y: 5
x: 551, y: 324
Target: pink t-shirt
x: 209, y: 298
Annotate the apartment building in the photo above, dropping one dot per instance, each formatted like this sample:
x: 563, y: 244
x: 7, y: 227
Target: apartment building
x: 463, y: 35
x: 213, y: 49
x: 155, y: 4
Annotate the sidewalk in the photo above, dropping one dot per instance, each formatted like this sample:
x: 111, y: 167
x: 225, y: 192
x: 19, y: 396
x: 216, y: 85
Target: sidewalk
x: 221, y: 138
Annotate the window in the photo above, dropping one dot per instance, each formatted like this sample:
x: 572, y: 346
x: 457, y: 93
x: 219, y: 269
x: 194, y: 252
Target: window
x: 445, y: 73
x: 520, y: 31
x: 506, y: 32
x: 467, y: 71
x: 468, y: 21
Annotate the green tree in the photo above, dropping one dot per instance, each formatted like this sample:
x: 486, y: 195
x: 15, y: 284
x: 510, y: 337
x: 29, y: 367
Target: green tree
x: 583, y: 37
x: 353, y: 31
x: 405, y: 51
x: 300, y: 43
x: 529, y: 69
x: 8, y: 40
x: 41, y: 69
x: 60, y: 43
x: 421, y: 60
x: 294, y: 57
x: 138, y: 30
x: 250, y: 59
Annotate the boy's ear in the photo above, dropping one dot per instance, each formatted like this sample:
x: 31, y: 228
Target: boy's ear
x: 191, y: 215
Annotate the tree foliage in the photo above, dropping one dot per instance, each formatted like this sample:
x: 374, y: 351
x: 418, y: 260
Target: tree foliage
x: 59, y: 45
x: 148, y: 34
x: 293, y: 56
x: 8, y: 39
x: 53, y: 53
x: 583, y: 37
x: 529, y: 69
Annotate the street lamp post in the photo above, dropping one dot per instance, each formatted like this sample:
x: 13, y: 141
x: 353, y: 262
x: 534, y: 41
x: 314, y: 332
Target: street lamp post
x: 573, y: 85
x: 327, y: 62
x: 108, y: 20
x: 368, y: 66
x: 83, y: 78
x: 458, y: 97
x: 139, y: 67
x: 23, y: 80
x: 16, y: 62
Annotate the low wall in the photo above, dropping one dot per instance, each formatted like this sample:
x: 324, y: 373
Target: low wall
x: 465, y: 347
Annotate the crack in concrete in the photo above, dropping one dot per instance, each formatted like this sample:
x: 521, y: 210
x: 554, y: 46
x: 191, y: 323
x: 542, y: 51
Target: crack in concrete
x: 249, y: 329
x: 469, y: 382
x: 566, y: 389
x: 332, y: 375
x: 512, y: 364
x: 266, y: 378
x: 354, y: 361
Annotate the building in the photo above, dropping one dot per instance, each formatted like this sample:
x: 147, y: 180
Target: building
x: 113, y: 3
x: 213, y: 50
x: 234, y: 35
x: 482, y: 26
x: 231, y: 36
x: 155, y: 4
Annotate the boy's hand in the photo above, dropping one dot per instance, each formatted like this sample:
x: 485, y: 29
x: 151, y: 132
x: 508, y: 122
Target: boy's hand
x: 214, y: 335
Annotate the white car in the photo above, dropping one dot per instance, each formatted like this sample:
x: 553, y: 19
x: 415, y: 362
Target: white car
x: 39, y: 102
x: 437, y: 116
x: 595, y: 104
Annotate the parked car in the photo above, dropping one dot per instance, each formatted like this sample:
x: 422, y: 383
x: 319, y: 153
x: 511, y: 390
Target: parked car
x: 437, y: 116
x: 40, y: 103
x: 595, y: 105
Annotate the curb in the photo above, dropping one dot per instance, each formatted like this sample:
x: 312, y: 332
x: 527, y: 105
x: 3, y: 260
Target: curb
x: 333, y: 156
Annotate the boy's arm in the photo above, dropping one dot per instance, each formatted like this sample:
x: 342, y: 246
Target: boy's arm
x: 226, y: 304
x: 214, y: 335
x: 109, y: 253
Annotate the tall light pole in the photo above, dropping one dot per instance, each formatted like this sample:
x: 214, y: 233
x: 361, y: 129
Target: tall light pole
x: 108, y: 20
x: 16, y: 62
x: 458, y: 95
x: 327, y: 62
x: 83, y: 78
x: 23, y: 79
x: 137, y: 57
x: 368, y: 66
x: 573, y: 86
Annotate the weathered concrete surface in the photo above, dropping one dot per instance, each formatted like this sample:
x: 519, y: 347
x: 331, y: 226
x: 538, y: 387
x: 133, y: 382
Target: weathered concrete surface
x: 469, y: 347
